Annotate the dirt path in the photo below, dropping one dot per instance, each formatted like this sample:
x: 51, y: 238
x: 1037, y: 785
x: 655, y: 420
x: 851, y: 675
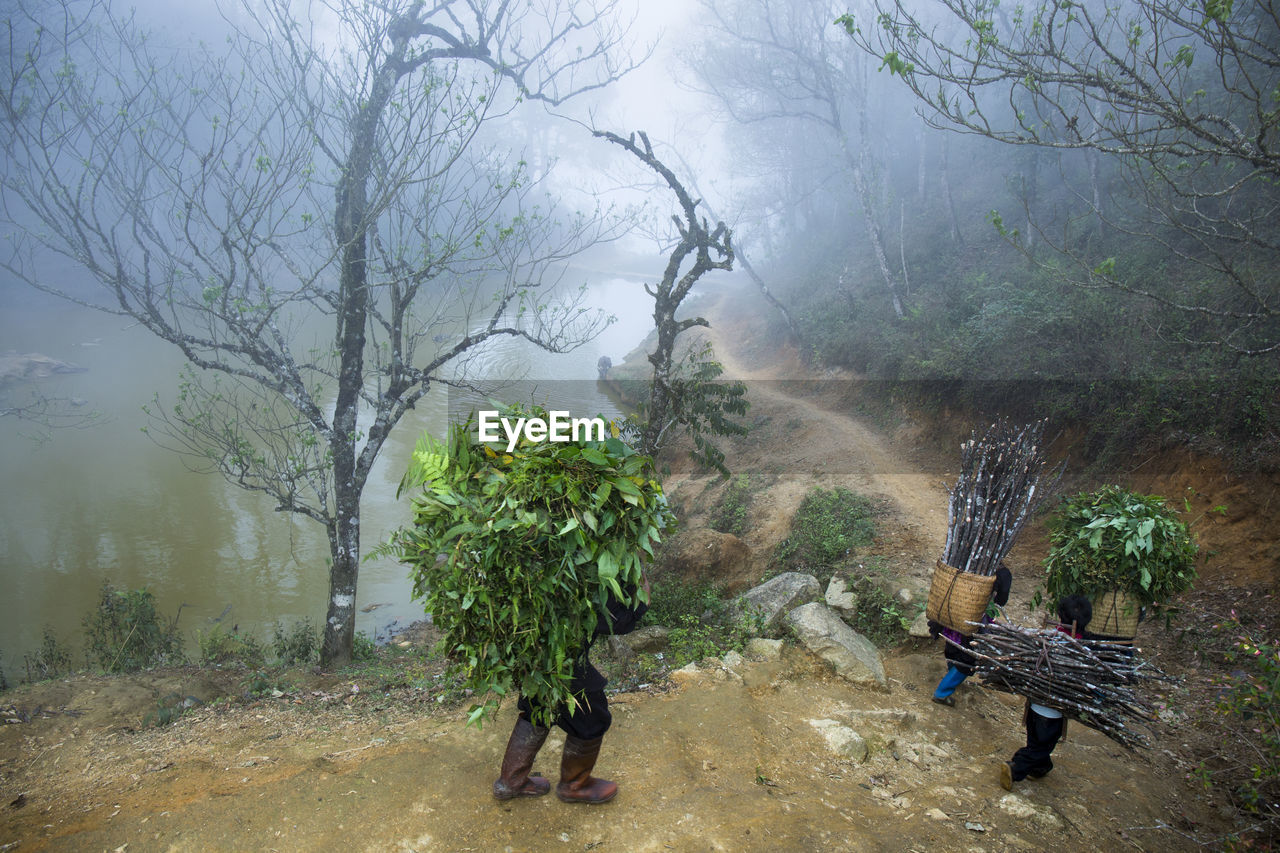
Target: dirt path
x: 733, y: 759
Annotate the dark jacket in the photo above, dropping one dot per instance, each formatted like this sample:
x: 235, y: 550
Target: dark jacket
x: 621, y: 618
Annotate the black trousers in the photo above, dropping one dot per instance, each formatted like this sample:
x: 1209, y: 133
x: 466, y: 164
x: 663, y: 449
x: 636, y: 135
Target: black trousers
x: 588, y: 720
x: 1043, y: 734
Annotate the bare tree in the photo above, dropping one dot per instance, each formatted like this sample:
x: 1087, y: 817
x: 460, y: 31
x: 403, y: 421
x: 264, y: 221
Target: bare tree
x: 310, y: 214
x: 740, y: 256
x: 782, y: 63
x: 690, y: 399
x: 1179, y: 94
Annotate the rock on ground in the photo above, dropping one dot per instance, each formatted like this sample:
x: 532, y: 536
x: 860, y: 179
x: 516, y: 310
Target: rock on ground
x: 774, y: 598
x: 821, y: 630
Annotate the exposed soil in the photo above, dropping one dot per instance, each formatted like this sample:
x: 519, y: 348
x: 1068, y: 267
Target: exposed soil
x: 727, y: 759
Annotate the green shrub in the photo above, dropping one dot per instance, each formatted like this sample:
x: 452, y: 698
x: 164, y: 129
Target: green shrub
x: 692, y: 641
x: 672, y: 599
x: 730, y: 512
x: 363, y: 648
x: 299, y: 644
x: 125, y: 634
x: 1116, y: 539
x: 878, y: 616
x: 52, y: 660
x: 1254, y: 699
x: 828, y: 525
x: 219, y: 647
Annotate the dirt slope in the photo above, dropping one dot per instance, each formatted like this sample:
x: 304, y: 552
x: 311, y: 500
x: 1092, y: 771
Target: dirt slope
x: 731, y: 759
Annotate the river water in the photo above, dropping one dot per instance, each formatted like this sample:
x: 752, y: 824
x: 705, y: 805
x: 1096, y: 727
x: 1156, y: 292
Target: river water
x: 105, y: 503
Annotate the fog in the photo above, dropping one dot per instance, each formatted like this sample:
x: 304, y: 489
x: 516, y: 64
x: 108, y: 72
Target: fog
x: 197, y: 185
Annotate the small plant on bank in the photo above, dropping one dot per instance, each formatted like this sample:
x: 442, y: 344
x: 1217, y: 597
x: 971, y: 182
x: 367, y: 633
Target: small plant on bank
x: 125, y: 634
x: 730, y: 513
x: 259, y: 683
x: 220, y: 647
x: 169, y: 709
x: 363, y: 648
x: 1114, y: 539
x: 297, y: 644
x: 53, y: 659
x: 828, y: 525
x: 1251, y: 701
x: 673, y: 598
x: 878, y: 616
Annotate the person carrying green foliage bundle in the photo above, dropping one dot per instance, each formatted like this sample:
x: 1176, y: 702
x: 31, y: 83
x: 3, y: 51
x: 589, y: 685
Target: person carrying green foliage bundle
x: 522, y: 559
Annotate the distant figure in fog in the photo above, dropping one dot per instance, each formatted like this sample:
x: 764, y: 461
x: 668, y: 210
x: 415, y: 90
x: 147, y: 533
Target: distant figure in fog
x: 603, y: 366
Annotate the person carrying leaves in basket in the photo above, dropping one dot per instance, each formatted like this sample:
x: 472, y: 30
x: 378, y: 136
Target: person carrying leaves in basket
x: 959, y: 662
x: 1045, y: 726
x: 523, y: 558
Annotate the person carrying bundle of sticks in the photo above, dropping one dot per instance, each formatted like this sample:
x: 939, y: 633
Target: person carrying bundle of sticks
x: 959, y: 662
x: 1045, y: 725
x: 998, y: 487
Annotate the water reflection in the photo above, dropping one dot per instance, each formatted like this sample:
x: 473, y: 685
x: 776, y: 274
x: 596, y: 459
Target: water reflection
x: 107, y: 503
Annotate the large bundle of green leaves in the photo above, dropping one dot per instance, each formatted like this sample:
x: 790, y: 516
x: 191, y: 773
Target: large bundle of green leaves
x: 1114, y: 539
x: 515, y: 554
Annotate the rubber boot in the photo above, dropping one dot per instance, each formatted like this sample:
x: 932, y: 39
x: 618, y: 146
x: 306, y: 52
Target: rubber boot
x: 516, y: 780
x: 577, y: 785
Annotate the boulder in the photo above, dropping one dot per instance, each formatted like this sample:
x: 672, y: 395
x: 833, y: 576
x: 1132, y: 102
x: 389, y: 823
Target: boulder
x: 774, y: 598
x: 705, y: 554
x: 650, y: 638
x: 821, y: 630
x: 758, y: 648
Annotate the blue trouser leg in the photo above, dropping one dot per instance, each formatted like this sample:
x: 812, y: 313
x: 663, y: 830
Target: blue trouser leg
x: 949, y: 683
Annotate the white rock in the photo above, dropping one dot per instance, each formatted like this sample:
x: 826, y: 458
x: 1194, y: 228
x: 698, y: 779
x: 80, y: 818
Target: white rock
x: 838, y: 596
x: 841, y: 739
x: 1020, y: 808
x: 920, y: 627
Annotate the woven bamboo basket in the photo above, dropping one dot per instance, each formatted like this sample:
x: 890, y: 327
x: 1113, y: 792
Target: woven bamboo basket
x: 957, y: 598
x: 1115, y: 614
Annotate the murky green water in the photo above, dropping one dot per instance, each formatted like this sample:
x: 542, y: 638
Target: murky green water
x: 105, y: 503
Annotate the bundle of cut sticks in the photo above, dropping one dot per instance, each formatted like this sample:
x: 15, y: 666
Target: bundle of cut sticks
x: 998, y: 485
x: 1093, y: 681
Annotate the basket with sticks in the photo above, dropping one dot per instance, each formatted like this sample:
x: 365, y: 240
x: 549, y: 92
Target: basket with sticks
x: 998, y: 486
x: 958, y: 598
